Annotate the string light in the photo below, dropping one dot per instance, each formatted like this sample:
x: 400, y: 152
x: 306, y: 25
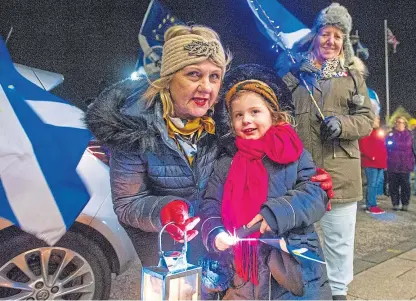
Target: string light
x: 271, y: 22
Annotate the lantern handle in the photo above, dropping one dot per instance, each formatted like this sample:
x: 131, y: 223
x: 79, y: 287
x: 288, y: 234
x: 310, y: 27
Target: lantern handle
x: 185, y: 239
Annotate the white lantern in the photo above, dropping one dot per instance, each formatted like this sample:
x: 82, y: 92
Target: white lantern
x: 173, y: 279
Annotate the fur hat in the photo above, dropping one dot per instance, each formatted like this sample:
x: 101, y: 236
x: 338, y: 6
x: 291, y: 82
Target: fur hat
x: 333, y: 15
x: 251, y: 72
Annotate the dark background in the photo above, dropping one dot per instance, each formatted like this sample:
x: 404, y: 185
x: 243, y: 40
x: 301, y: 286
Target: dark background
x: 94, y: 43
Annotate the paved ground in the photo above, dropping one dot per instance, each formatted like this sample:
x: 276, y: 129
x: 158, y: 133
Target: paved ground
x: 385, y: 258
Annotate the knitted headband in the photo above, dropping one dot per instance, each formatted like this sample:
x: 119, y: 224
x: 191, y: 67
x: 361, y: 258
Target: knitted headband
x: 189, y: 49
x: 253, y: 85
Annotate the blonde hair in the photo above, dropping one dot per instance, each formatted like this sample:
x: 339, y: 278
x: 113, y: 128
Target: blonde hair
x: 161, y: 85
x: 406, y: 122
x: 278, y: 116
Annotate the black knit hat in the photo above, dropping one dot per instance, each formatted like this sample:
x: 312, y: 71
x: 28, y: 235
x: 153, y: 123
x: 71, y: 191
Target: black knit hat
x: 246, y: 72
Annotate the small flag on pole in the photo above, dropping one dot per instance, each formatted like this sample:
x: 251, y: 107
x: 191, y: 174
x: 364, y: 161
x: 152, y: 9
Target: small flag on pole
x: 156, y: 21
x: 391, y: 39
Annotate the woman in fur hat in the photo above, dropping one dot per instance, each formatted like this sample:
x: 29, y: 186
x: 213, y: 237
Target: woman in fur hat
x: 329, y: 68
x: 264, y: 175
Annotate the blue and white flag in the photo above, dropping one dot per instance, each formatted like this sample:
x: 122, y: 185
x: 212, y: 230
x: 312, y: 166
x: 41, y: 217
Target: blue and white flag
x: 375, y: 102
x: 361, y: 51
x: 273, y: 17
x: 42, y: 139
x: 156, y: 21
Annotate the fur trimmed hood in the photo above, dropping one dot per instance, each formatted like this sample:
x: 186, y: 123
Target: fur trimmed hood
x: 120, y: 120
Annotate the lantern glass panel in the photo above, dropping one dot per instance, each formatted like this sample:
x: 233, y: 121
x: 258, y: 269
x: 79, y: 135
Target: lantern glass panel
x: 184, y: 288
x: 152, y: 287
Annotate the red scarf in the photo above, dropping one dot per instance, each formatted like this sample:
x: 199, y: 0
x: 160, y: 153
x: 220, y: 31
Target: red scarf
x: 246, y: 188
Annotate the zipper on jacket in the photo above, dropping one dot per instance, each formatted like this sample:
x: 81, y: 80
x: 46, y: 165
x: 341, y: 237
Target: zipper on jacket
x: 168, y: 142
x: 195, y: 175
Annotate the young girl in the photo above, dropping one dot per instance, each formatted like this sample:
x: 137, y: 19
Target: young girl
x: 264, y: 176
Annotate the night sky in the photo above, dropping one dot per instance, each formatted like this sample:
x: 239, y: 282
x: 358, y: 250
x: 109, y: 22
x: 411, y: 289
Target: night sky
x: 94, y: 43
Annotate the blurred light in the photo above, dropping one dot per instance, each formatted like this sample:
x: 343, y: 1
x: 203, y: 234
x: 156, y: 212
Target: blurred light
x: 135, y: 75
x: 11, y: 87
x: 389, y: 142
x: 381, y: 133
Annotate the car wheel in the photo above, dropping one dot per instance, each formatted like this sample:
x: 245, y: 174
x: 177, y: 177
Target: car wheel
x: 74, y: 269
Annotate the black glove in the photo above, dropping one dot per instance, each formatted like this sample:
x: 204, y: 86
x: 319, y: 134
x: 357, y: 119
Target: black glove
x: 330, y: 128
x: 303, y: 66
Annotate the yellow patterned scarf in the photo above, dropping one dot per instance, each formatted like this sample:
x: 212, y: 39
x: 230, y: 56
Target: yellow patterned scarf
x: 187, y: 135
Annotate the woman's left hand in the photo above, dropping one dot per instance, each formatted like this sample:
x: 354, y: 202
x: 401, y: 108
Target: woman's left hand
x: 264, y: 225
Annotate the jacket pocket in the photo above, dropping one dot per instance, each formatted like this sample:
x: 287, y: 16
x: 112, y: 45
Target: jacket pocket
x: 346, y: 148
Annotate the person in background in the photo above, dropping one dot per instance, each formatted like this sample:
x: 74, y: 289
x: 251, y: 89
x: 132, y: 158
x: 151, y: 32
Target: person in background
x: 374, y: 161
x: 400, y: 163
x: 264, y: 176
x: 326, y: 61
x: 412, y: 124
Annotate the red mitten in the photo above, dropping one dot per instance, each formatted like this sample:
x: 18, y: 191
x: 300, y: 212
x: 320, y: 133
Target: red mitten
x: 178, y: 213
x: 325, y: 181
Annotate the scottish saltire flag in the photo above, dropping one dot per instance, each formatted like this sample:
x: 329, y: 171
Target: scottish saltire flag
x: 289, y: 27
x: 360, y: 50
x: 42, y: 139
x: 156, y: 21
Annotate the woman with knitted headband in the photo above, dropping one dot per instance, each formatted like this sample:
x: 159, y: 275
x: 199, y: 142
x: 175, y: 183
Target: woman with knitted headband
x: 163, y: 141
x: 264, y: 175
x: 331, y: 73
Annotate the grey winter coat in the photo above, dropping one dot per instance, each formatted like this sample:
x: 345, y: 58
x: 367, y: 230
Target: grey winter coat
x: 147, y: 170
x: 294, y: 203
x: 347, y: 99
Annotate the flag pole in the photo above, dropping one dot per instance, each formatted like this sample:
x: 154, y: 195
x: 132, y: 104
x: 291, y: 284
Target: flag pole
x: 291, y: 57
x: 386, y: 50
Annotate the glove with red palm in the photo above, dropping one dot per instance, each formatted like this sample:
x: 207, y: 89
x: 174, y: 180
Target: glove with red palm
x: 177, y: 212
x: 325, y: 181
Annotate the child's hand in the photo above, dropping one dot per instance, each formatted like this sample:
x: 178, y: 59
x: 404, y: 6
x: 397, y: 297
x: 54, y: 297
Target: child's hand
x: 223, y: 241
x: 264, y: 225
